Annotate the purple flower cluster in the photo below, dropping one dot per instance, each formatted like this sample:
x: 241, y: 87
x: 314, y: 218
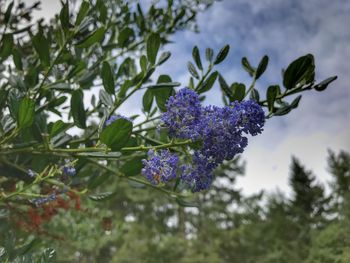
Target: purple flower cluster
x: 160, y: 166
x: 113, y: 118
x: 68, y: 169
x: 44, y: 200
x: 199, y: 174
x: 183, y: 115
x: 221, y: 130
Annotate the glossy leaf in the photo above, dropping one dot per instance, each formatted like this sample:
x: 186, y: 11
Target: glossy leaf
x: 117, y: 134
x: 107, y: 78
x: 222, y: 54
x: 163, y: 92
x: 26, y: 113
x: 42, y: 47
x: 197, y: 58
x: 105, y: 98
x: 271, y: 94
x: 192, y: 70
x: 301, y: 71
x: 261, y: 67
x: 83, y: 11
x: 324, y: 84
x: 209, y: 53
x: 6, y: 46
x: 153, y: 44
x: 77, y: 109
x: 246, y: 65
x: 133, y: 167
x: 208, y: 83
x: 163, y: 57
x: 124, y: 36
x: 224, y: 86
x: 64, y: 16
x: 93, y: 38
x: 238, y: 90
x: 147, y: 100
x: 8, y: 13
x: 58, y: 127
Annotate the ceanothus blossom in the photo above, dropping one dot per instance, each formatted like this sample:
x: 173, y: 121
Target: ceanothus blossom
x: 183, y: 115
x: 160, y: 167
x: 221, y: 130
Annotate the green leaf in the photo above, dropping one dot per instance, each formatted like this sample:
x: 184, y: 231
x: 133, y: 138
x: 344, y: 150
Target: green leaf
x: 324, y: 84
x: 224, y: 86
x: 143, y: 63
x: 262, y: 67
x: 117, y: 134
x: 57, y: 128
x: 64, y: 16
x: 133, y: 167
x: 8, y: 13
x: 164, y: 85
x: 209, y: 53
x: 192, y: 70
x: 77, y: 109
x: 153, y: 44
x: 163, y: 57
x: 147, y: 100
x: 186, y: 203
x: 93, y: 38
x: 246, y: 65
x: 107, y: 78
x: 222, y: 54
x: 299, y: 72
x: 254, y: 94
x: 124, y: 36
x: 283, y: 110
x: 208, y: 83
x: 103, y: 11
x: 6, y: 46
x: 163, y: 92
x: 17, y: 59
x: 271, y: 94
x: 3, y: 98
x: 83, y: 11
x: 101, y: 196
x: 105, y: 98
x: 197, y: 58
x: 26, y: 113
x: 238, y: 90
x: 295, y: 102
x: 42, y: 47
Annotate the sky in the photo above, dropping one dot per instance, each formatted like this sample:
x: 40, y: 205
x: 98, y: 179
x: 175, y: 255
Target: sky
x: 284, y: 30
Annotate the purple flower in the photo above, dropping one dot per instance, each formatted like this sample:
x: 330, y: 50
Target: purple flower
x: 221, y: 137
x: 31, y: 173
x: 160, y: 166
x: 113, y: 118
x: 251, y: 117
x: 198, y: 175
x: 222, y: 131
x: 68, y: 169
x: 43, y: 200
x: 183, y: 115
